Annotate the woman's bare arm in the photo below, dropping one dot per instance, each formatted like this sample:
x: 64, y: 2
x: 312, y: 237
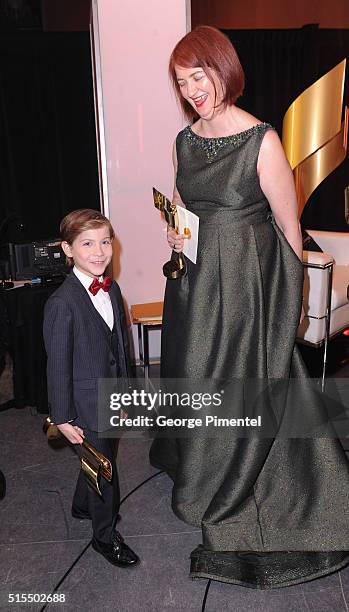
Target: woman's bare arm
x: 277, y: 183
x: 175, y: 241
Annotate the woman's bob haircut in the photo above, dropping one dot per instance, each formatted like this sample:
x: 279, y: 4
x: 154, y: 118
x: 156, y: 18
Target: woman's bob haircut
x: 208, y: 48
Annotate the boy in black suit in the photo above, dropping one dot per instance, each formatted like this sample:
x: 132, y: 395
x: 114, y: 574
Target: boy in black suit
x: 86, y: 339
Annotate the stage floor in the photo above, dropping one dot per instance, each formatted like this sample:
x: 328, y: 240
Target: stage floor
x: 39, y: 539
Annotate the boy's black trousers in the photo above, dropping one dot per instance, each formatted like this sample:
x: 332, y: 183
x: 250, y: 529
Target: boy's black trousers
x: 102, y: 510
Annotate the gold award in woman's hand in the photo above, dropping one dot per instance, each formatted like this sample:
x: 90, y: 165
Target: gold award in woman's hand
x: 175, y: 268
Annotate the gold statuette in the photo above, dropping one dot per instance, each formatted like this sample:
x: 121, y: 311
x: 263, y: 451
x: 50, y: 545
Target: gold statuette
x: 175, y: 268
x: 93, y: 463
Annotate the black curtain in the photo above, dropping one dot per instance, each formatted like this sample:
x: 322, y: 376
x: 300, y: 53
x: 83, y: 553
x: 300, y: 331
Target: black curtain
x: 48, y: 155
x: 279, y: 65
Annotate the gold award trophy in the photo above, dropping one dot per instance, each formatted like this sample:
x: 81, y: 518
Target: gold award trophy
x: 175, y: 268
x: 93, y: 463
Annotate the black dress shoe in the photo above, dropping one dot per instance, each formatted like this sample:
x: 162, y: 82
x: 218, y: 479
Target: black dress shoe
x: 117, y: 552
x: 79, y: 514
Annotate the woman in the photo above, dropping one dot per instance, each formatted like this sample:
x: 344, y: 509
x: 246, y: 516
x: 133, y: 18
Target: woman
x: 273, y: 512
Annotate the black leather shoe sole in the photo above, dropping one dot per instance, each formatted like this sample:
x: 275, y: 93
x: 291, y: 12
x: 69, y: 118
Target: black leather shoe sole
x: 124, y: 557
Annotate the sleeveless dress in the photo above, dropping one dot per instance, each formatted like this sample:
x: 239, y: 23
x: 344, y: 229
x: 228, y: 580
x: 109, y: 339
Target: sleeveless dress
x: 273, y: 512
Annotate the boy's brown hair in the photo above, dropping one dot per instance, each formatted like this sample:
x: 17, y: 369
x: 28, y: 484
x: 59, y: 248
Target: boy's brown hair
x: 79, y: 221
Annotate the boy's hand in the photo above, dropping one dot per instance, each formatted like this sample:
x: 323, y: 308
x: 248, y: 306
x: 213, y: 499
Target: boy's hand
x: 73, y: 433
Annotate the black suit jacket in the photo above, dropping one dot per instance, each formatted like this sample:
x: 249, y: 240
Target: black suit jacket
x: 81, y: 349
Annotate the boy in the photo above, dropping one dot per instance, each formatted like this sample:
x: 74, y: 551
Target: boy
x: 86, y: 339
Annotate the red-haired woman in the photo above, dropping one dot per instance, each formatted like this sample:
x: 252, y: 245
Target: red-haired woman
x: 273, y: 512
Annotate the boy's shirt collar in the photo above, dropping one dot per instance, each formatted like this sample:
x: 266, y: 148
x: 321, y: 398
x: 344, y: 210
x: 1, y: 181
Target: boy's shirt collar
x: 85, y: 279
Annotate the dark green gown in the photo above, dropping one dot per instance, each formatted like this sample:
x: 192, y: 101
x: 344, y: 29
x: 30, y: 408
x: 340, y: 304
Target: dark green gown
x: 273, y: 512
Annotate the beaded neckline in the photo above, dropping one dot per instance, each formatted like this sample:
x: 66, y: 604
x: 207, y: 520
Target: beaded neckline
x: 211, y: 145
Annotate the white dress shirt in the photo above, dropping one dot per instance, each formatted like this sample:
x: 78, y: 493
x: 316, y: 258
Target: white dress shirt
x: 101, y: 300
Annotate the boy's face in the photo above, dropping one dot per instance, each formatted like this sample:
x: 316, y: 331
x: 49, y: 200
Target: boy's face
x: 91, y: 250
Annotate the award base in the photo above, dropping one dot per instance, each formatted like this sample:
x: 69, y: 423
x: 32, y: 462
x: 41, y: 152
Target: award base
x: 175, y: 268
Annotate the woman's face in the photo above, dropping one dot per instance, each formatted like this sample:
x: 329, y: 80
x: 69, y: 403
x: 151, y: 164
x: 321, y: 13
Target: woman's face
x: 195, y: 87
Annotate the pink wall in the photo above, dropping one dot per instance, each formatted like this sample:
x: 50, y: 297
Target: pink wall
x: 252, y: 14
x: 141, y: 123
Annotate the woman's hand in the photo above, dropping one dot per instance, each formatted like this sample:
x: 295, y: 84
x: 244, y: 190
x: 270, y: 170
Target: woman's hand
x: 175, y: 241
x: 73, y: 433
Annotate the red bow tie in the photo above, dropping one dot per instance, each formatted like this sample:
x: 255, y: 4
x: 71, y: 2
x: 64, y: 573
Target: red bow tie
x: 96, y: 285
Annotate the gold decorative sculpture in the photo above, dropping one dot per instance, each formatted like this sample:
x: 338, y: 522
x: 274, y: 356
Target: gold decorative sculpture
x: 313, y: 137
